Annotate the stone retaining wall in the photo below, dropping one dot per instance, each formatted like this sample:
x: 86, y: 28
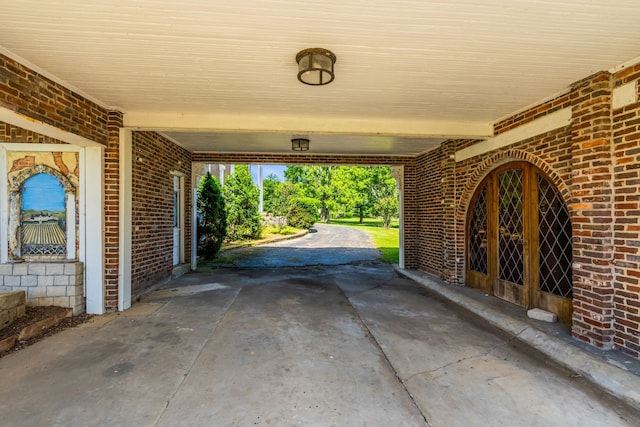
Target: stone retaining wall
x: 47, y: 283
x: 11, y: 307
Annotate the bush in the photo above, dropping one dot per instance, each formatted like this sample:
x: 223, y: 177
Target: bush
x: 387, y: 208
x: 303, y: 212
x: 241, y: 198
x: 212, y: 217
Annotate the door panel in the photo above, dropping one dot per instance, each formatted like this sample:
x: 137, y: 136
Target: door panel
x: 478, y: 243
x: 555, y: 252
x: 510, y: 283
x: 177, y: 212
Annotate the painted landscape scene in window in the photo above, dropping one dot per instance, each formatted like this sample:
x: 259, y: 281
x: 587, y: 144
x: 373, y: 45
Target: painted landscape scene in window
x: 43, y: 216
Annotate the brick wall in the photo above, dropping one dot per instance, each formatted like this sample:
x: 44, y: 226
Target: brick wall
x: 112, y: 210
x: 626, y: 184
x: 531, y: 114
x: 592, y: 216
x: 33, y: 95
x: 424, y: 213
x: 411, y: 217
x: 11, y: 133
x: 594, y: 162
x: 155, y: 158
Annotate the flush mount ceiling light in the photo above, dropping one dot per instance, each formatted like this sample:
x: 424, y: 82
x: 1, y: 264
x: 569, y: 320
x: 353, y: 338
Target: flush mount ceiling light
x: 315, y: 66
x: 300, y: 144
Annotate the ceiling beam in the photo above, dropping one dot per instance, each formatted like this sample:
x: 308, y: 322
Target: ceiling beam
x: 304, y: 125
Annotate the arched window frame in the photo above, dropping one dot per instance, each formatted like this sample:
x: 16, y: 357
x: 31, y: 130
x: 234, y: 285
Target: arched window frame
x: 15, y: 190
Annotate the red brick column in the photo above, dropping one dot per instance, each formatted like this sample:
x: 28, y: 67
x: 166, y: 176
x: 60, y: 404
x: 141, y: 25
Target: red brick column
x: 592, y: 191
x: 453, y: 217
x: 410, y: 217
x: 112, y: 209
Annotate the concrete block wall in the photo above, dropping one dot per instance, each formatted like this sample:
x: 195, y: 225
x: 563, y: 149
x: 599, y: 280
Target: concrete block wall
x: 59, y: 284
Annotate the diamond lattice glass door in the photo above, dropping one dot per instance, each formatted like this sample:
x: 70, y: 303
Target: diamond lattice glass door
x: 519, y: 240
x: 478, y: 235
x: 555, y: 252
x: 511, y: 274
x: 478, y: 242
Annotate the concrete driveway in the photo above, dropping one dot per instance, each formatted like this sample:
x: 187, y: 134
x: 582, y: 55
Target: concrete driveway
x: 319, y: 346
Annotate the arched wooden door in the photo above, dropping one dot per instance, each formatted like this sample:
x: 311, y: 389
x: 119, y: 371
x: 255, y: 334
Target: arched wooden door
x: 519, y: 240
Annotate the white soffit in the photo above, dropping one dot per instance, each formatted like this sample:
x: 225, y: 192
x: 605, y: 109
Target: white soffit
x: 320, y: 143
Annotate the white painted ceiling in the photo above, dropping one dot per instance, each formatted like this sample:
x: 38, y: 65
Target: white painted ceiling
x: 221, y: 75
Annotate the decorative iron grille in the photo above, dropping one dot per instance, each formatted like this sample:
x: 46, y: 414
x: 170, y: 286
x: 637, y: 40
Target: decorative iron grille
x: 555, y: 247
x: 511, y: 226
x: 478, y: 258
x: 39, y: 249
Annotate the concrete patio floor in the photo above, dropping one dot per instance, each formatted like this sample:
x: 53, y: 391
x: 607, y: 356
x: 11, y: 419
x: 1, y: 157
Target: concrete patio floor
x: 351, y: 345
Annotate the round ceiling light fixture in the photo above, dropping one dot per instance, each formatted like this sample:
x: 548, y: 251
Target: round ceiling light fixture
x: 300, y: 144
x: 315, y: 66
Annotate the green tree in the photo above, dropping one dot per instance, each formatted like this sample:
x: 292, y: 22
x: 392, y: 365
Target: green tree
x: 242, y: 199
x: 384, y: 192
x: 271, y: 187
x: 316, y: 182
x: 387, y: 208
x: 303, y: 212
x: 381, y: 182
x: 284, y: 196
x: 296, y: 174
x: 212, y: 217
x: 353, y: 190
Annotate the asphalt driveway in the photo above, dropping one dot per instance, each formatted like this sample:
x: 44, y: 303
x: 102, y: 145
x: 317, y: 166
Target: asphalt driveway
x: 324, y: 245
x: 350, y: 345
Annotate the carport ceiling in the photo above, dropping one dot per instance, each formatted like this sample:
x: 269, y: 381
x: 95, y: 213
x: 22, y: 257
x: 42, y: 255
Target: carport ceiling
x: 221, y: 76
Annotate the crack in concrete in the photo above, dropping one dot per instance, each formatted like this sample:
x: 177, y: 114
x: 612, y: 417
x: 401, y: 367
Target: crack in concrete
x: 373, y: 339
x: 195, y: 360
x: 445, y: 366
x: 464, y: 359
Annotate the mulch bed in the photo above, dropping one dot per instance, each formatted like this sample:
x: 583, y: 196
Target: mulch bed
x: 34, y: 315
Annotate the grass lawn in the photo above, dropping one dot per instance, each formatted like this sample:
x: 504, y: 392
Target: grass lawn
x: 386, y: 240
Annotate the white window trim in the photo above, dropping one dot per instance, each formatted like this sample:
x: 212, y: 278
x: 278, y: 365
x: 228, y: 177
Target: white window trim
x: 90, y: 193
x: 91, y: 239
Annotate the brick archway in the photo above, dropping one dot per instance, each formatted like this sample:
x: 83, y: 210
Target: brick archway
x: 491, y: 162
x: 518, y: 237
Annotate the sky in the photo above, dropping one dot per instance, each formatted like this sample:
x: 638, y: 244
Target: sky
x: 43, y: 192
x: 278, y: 170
